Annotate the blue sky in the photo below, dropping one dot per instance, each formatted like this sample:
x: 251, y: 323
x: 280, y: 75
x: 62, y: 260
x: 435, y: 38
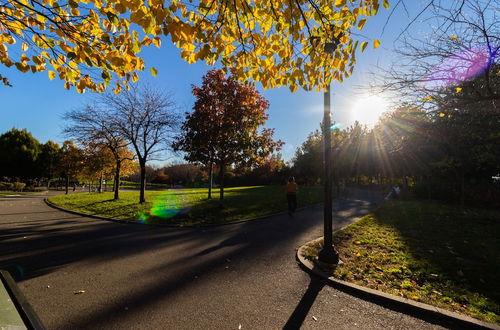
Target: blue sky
x: 37, y: 104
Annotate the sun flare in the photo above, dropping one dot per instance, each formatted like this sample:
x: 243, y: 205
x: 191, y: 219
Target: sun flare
x: 368, y: 109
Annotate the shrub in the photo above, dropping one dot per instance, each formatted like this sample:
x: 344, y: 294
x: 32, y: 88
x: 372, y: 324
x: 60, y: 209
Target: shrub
x: 35, y: 189
x: 5, y: 186
x: 18, y: 186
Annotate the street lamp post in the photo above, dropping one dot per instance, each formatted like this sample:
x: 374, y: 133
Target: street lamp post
x: 328, y: 254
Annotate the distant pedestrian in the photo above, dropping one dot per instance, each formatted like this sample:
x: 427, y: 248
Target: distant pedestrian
x: 74, y: 186
x: 291, y: 195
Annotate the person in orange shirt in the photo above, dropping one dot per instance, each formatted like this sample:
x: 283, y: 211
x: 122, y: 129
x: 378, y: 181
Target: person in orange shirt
x: 291, y: 195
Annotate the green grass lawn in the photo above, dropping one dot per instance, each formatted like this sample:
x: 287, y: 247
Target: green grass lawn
x: 188, y: 206
x: 429, y: 252
x: 137, y: 185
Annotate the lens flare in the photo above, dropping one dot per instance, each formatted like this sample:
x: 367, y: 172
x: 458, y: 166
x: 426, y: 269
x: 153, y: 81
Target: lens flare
x: 335, y: 127
x: 20, y: 271
x: 166, y: 205
x: 461, y: 67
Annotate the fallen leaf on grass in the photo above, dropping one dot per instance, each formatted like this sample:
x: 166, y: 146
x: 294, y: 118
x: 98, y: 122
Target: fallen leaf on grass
x: 239, y: 327
x: 357, y: 242
x: 79, y: 291
x: 315, y: 318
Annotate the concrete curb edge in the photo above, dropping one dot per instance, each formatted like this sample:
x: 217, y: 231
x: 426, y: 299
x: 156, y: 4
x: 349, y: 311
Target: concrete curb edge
x: 402, y: 304
x: 95, y: 216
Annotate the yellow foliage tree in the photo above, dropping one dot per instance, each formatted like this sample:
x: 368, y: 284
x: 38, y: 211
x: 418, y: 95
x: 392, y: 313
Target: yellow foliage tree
x: 87, y: 43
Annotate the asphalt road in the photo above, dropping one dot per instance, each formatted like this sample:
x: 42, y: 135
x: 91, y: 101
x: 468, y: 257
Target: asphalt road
x: 139, y: 277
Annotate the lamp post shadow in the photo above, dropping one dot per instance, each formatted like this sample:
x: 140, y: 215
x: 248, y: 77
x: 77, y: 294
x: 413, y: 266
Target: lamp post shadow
x: 304, y: 306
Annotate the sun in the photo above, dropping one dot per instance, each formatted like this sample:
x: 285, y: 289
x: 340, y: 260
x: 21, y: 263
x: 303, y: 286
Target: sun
x: 368, y: 109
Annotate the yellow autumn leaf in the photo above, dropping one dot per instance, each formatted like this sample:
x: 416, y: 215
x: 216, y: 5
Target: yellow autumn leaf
x: 154, y: 72
x: 453, y: 37
x: 361, y: 23
x: 376, y: 43
x: 458, y: 89
x: 427, y: 98
x: 24, y: 47
x: 52, y: 74
x: 135, y: 77
x: 340, y: 3
x: 157, y: 42
x: 146, y: 41
x: 363, y: 45
x: 386, y: 4
x: 442, y: 115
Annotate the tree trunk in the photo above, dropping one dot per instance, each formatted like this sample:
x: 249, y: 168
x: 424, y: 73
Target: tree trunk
x: 221, y: 182
x: 67, y: 183
x: 210, y: 175
x: 117, y: 180
x: 100, y: 184
x: 142, y: 198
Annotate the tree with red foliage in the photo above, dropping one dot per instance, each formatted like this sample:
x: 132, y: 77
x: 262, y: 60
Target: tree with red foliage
x: 224, y: 128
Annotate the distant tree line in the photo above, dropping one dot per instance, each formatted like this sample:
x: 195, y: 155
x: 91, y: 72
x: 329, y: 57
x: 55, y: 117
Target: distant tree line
x: 448, y: 152
x: 272, y: 170
x: 33, y: 164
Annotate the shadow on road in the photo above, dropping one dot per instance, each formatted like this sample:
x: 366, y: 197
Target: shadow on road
x: 32, y: 250
x: 304, y: 306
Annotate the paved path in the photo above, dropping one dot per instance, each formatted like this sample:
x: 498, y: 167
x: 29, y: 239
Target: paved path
x: 139, y: 277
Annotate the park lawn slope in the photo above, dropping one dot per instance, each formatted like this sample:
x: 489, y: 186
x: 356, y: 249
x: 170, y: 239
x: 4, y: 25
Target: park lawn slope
x: 429, y: 252
x: 188, y: 206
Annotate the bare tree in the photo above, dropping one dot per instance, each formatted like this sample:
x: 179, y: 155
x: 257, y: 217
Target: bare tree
x: 145, y: 117
x: 92, y: 124
x: 464, y: 44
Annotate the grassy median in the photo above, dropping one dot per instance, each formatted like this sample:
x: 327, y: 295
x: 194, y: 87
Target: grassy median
x: 188, y: 206
x: 429, y: 252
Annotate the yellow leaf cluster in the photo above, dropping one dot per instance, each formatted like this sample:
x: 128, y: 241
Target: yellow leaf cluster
x: 74, y: 40
x: 90, y: 43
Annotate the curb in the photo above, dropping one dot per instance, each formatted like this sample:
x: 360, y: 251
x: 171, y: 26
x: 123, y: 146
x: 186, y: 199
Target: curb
x: 170, y: 225
x: 399, y: 304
